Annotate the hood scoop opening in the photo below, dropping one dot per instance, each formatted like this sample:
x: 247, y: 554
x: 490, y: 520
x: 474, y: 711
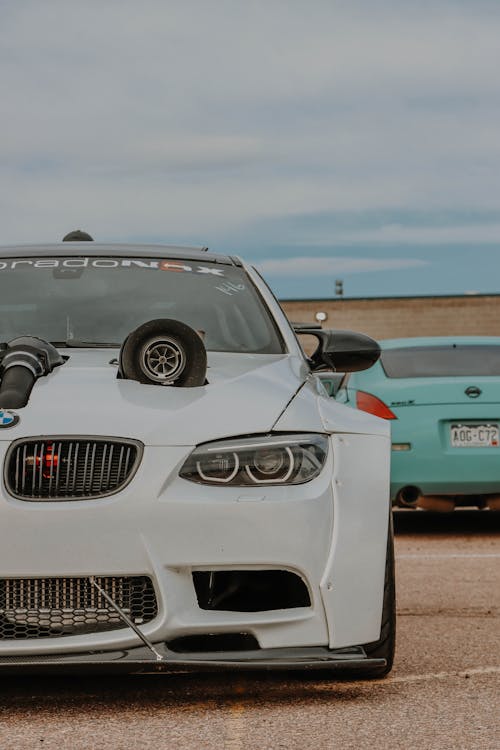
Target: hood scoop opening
x: 22, y: 361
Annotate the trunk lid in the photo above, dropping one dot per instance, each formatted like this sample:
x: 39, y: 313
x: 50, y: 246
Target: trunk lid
x: 433, y: 391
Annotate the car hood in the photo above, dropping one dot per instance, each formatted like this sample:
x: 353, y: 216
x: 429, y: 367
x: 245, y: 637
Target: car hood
x: 246, y: 394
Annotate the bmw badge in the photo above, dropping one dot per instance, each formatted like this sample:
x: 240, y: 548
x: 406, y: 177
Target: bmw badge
x: 8, y: 418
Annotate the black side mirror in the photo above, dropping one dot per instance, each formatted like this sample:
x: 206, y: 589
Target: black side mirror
x: 344, y: 351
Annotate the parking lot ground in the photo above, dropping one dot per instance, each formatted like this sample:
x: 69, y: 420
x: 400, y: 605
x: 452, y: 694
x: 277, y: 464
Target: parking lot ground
x: 443, y: 693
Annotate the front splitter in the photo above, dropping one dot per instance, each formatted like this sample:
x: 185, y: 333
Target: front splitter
x: 142, y: 661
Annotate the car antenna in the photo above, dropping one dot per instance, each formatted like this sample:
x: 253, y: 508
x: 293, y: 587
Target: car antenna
x: 77, y: 235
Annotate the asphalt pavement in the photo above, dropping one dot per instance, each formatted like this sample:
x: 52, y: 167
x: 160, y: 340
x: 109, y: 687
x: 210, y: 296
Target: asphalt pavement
x: 442, y: 694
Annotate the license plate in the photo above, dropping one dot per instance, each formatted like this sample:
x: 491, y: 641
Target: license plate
x: 474, y: 435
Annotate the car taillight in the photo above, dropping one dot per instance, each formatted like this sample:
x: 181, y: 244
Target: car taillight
x: 373, y: 405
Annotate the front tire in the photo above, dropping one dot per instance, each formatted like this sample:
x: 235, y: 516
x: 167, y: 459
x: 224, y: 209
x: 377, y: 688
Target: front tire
x: 385, y: 646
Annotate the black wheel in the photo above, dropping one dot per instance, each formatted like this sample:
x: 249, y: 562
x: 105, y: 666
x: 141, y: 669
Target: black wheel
x: 164, y: 352
x: 384, y: 648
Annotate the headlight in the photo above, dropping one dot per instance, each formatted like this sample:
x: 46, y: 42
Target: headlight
x: 271, y: 459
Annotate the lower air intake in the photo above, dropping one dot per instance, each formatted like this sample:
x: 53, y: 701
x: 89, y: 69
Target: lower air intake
x: 56, y: 607
x: 250, y: 590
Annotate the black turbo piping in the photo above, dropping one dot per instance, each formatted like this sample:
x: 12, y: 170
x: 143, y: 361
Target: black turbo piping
x: 22, y: 361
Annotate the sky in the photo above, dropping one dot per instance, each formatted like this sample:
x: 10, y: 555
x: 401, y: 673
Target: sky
x: 319, y: 140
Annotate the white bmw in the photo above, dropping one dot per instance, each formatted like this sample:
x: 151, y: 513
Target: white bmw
x: 179, y: 492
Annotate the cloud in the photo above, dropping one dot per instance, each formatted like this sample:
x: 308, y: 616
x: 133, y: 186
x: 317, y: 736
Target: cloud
x: 400, y: 235
x: 305, y: 266
x: 194, y: 121
x: 448, y: 235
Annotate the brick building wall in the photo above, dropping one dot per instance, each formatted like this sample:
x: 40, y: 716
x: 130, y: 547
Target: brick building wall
x: 394, y: 317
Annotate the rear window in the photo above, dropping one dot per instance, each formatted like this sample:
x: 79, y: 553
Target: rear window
x: 441, y: 361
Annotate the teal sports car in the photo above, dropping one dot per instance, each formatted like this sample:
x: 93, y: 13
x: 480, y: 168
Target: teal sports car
x: 442, y: 395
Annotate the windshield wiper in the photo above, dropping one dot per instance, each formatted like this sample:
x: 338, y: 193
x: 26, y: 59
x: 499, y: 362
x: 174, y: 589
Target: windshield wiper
x: 76, y: 344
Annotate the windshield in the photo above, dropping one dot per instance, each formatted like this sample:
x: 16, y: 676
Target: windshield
x: 455, y: 360
x: 101, y: 300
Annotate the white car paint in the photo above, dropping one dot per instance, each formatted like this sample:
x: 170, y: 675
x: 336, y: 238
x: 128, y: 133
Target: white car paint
x: 332, y: 531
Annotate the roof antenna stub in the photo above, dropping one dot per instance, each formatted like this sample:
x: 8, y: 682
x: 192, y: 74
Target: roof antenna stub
x: 77, y: 236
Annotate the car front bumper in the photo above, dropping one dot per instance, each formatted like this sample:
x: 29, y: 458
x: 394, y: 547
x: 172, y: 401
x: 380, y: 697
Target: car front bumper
x: 331, y: 532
